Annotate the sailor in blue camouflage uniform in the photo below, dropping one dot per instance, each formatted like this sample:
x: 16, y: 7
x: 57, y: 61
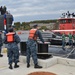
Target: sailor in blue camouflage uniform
x: 31, y: 46
x: 13, y: 50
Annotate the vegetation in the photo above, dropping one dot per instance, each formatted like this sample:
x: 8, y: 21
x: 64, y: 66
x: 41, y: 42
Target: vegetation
x: 43, y: 27
x: 44, y: 21
x: 26, y: 25
x: 22, y: 26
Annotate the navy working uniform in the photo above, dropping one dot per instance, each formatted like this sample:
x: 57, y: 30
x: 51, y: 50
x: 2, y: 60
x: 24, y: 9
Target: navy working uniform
x: 63, y: 41
x: 70, y: 40
x: 13, y: 50
x: 1, y: 43
x: 31, y: 46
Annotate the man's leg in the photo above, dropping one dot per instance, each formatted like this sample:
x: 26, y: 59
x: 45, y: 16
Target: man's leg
x: 16, y: 54
x: 34, y: 56
x: 10, y: 60
x: 28, y: 57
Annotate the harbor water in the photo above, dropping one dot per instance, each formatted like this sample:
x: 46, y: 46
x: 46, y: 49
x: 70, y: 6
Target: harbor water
x: 55, y: 50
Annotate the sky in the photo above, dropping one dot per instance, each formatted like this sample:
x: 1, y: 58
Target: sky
x: 31, y: 10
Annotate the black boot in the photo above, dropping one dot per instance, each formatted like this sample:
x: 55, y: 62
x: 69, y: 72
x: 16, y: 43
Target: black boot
x: 10, y: 67
x: 28, y: 65
x: 16, y: 66
x: 1, y: 55
x: 37, y: 66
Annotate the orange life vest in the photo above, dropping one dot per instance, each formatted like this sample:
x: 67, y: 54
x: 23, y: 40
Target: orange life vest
x: 32, y: 34
x: 10, y: 37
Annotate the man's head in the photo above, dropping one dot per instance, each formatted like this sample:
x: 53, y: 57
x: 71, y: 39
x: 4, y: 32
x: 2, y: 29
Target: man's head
x: 10, y: 30
x: 35, y: 26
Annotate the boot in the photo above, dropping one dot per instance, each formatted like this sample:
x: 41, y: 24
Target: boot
x: 10, y: 67
x: 1, y: 55
x: 28, y: 65
x: 16, y: 66
x: 37, y: 66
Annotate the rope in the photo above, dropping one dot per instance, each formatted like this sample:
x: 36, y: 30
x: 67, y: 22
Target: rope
x: 70, y: 52
x: 61, y: 55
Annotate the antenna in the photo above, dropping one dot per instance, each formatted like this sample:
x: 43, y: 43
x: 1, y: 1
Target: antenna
x: 63, y: 14
x: 68, y: 14
x: 73, y: 15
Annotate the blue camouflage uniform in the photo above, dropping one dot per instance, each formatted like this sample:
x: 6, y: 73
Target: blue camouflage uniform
x: 13, y: 50
x: 31, y: 48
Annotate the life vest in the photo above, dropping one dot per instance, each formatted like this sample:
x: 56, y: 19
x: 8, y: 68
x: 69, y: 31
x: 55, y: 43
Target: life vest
x: 10, y: 37
x: 32, y: 34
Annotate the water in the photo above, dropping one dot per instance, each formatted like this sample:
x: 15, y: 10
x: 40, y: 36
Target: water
x: 24, y: 35
x: 54, y: 50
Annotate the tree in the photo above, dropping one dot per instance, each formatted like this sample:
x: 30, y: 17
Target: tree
x: 43, y: 27
x: 17, y: 25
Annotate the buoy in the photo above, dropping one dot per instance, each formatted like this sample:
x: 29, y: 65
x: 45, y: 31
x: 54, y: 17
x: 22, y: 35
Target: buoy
x: 19, y: 32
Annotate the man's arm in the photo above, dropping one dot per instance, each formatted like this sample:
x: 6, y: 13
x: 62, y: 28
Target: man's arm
x: 39, y: 35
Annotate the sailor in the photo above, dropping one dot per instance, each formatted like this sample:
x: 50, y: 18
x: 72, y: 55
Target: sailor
x: 31, y: 46
x: 1, y: 43
x: 63, y: 41
x: 12, y: 40
x: 70, y: 40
